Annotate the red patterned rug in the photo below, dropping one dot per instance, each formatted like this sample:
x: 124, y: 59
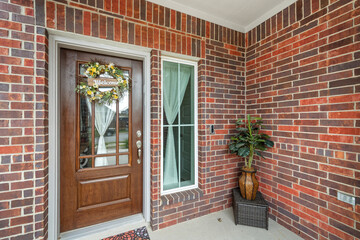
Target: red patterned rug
x: 136, y: 234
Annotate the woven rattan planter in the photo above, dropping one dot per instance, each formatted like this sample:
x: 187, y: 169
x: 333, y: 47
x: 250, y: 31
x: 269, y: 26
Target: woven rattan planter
x: 251, y: 213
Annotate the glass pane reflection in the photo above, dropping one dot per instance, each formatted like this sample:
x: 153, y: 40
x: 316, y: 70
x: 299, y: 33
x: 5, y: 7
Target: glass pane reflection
x: 85, y: 127
x: 82, y: 69
x: 105, y: 161
x: 187, y: 105
x: 171, y: 80
x: 171, y: 162
x: 105, y: 128
x: 123, y: 159
x: 124, y: 123
x: 85, y: 163
x: 187, y: 159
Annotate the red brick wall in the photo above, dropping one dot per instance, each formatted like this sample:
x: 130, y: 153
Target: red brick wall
x: 23, y: 122
x: 303, y: 78
x: 23, y: 100
x: 221, y: 101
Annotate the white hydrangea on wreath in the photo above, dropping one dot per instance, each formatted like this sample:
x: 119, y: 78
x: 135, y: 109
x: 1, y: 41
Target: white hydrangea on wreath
x: 91, y: 90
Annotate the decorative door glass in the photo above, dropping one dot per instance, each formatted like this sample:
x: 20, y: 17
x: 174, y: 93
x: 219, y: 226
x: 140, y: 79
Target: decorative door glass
x: 103, y: 129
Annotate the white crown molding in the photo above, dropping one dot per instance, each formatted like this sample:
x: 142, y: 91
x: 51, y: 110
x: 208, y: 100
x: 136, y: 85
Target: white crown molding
x: 269, y: 14
x: 223, y: 22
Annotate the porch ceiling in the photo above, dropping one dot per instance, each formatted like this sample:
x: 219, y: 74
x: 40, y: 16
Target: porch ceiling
x: 241, y: 15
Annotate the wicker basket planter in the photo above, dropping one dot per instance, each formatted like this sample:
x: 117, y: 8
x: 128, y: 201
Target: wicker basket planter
x: 251, y: 213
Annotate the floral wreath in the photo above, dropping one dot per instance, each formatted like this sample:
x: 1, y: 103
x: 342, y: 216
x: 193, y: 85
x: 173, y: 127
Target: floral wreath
x: 93, y: 93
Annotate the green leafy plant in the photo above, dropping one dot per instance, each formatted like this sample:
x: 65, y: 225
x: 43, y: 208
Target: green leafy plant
x: 248, y: 140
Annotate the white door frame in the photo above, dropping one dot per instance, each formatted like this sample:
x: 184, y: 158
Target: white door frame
x: 59, y: 39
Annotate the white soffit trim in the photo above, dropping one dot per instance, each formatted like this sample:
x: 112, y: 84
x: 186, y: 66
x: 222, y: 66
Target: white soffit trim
x: 221, y: 21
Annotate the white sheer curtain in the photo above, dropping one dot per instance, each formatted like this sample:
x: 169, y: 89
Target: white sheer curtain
x: 104, y: 115
x: 174, y: 91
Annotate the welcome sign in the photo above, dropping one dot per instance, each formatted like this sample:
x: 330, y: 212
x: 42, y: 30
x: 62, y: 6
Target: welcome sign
x: 103, y: 82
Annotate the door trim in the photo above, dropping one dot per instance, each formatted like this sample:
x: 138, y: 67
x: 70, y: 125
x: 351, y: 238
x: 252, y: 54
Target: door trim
x: 59, y: 39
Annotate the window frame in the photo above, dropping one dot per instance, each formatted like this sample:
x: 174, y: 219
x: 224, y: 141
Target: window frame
x: 195, y: 185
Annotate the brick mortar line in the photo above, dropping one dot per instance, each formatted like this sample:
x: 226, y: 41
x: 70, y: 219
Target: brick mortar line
x: 149, y: 24
x: 321, y: 60
x: 264, y: 41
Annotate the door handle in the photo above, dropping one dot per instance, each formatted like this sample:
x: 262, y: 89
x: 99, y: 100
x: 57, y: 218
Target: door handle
x: 138, y: 145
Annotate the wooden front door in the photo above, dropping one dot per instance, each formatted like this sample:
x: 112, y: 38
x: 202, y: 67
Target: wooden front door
x: 100, y: 156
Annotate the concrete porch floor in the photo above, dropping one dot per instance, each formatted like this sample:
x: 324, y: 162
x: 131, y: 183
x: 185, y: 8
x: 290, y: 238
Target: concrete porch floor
x: 208, y: 227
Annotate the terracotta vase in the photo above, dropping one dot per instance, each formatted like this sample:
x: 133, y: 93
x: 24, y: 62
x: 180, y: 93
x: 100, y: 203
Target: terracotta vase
x: 248, y: 183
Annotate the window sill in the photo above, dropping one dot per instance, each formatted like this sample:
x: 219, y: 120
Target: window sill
x: 182, y: 196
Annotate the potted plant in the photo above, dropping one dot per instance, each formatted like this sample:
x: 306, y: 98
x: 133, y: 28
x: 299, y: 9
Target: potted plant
x: 247, y: 142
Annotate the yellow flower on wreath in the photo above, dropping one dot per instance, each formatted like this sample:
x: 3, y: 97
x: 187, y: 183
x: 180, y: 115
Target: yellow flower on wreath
x: 94, y: 69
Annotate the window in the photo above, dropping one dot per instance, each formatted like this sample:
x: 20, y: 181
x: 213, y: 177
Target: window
x: 179, y: 125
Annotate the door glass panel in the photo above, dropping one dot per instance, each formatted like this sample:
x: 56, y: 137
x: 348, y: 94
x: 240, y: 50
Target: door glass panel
x: 85, y: 162
x: 82, y: 69
x: 105, y: 161
x: 123, y: 159
x: 126, y: 74
x: 124, y: 123
x: 105, y: 128
x: 187, y: 159
x: 85, y: 128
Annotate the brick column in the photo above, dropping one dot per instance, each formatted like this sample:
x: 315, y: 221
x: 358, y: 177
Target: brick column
x: 155, y: 137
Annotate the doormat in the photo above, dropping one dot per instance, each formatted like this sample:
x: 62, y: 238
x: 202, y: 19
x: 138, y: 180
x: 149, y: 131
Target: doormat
x: 136, y: 234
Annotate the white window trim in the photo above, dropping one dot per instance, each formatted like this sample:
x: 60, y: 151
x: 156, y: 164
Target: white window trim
x: 195, y: 65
